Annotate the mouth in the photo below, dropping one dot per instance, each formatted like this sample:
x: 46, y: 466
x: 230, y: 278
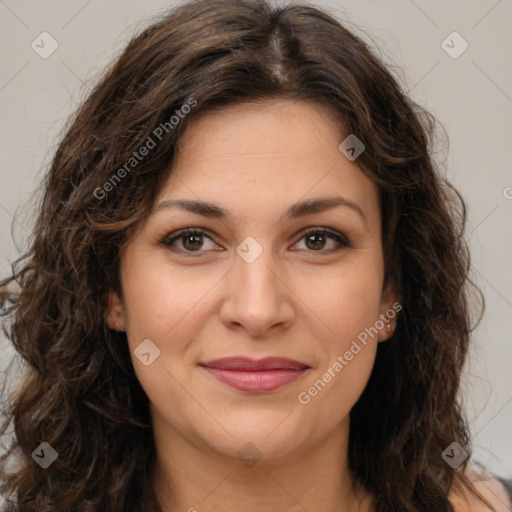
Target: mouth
x: 255, y: 376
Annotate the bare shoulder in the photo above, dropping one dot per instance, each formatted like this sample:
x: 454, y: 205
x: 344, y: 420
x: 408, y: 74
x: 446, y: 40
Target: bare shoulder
x: 490, y: 488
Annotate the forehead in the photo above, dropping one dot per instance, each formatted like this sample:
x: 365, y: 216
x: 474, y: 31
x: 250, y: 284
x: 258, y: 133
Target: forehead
x: 253, y: 155
x: 288, y: 128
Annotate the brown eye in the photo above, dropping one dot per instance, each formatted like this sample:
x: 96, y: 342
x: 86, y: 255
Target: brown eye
x: 187, y: 241
x: 192, y: 242
x: 320, y: 240
x: 315, y: 241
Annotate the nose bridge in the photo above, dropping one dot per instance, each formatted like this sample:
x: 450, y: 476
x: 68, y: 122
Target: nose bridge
x: 252, y: 269
x: 256, y: 297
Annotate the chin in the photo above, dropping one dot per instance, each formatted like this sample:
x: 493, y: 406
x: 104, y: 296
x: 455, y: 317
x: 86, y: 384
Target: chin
x: 265, y: 436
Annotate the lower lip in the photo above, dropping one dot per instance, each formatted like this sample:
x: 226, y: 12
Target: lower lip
x: 255, y: 382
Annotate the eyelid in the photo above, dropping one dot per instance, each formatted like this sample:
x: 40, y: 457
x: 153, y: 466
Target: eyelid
x: 168, y: 239
x: 341, y: 239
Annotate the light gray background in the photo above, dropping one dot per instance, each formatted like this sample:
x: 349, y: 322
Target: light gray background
x: 470, y: 95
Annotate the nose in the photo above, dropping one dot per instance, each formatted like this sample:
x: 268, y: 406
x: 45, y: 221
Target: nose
x: 257, y: 298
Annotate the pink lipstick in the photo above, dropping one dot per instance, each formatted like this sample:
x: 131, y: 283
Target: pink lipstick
x: 255, y: 376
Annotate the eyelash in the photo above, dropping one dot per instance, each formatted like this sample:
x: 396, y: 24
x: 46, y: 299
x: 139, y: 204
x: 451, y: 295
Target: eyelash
x: 341, y: 240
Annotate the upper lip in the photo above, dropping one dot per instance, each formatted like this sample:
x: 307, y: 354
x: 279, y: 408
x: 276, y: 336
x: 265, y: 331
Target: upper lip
x: 248, y: 364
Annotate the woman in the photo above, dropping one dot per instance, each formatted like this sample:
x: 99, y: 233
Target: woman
x: 247, y: 288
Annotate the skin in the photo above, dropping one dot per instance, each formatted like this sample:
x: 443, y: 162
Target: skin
x: 295, y: 300
x: 298, y: 300
x: 490, y: 489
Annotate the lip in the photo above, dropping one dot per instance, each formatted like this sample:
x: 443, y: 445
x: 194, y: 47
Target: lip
x: 255, y: 375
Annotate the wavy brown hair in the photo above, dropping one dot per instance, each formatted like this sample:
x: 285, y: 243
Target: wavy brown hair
x: 80, y: 393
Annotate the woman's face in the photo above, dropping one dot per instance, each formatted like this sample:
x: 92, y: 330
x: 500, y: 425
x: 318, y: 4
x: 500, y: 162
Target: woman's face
x: 254, y: 284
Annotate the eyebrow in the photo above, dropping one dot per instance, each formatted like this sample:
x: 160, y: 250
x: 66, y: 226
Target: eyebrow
x: 295, y: 211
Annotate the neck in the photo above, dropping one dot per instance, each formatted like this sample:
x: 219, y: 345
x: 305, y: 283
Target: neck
x: 194, y: 478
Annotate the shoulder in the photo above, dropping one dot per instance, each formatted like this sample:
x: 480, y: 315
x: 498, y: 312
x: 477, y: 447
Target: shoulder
x: 492, y: 489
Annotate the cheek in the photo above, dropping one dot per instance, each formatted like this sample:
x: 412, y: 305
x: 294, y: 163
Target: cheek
x: 338, y: 386
x: 160, y: 306
x: 345, y: 301
x: 168, y: 307
x: 159, y: 302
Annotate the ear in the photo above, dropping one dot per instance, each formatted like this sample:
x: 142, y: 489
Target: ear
x: 114, y: 314
x: 388, y: 312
